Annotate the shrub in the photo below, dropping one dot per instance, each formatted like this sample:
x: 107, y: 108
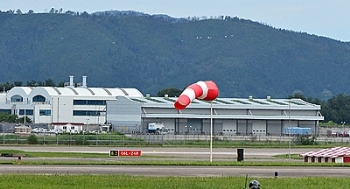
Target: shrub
x: 32, y: 139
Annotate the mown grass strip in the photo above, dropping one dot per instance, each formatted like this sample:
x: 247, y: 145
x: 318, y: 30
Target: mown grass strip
x: 145, y: 182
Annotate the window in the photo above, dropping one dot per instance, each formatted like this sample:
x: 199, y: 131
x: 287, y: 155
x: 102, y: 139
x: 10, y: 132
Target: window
x: 85, y: 113
x: 89, y: 102
x: 38, y: 98
x: 45, y: 112
x: 5, y: 111
x: 27, y: 112
x: 16, y: 98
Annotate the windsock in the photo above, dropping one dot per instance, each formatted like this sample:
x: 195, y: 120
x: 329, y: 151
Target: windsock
x: 203, y: 90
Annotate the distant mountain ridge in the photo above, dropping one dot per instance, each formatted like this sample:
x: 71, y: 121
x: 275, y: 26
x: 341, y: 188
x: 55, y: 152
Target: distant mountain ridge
x: 153, y: 52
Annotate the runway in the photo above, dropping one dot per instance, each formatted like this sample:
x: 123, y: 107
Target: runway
x: 192, y: 171
x: 251, y: 154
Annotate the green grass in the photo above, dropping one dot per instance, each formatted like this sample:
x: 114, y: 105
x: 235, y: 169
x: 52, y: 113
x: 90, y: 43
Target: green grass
x: 136, y: 182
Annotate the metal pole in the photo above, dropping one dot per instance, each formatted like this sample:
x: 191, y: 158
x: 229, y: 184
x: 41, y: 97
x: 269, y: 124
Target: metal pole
x: 211, y: 131
x: 289, y: 130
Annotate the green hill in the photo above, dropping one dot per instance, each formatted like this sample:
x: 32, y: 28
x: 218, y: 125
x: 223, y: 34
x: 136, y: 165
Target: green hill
x: 152, y: 52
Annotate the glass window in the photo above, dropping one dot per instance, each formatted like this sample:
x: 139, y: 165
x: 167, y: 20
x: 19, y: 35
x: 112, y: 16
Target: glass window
x: 27, y: 112
x: 85, y: 113
x: 16, y: 98
x: 89, y: 102
x: 5, y: 111
x: 38, y: 98
x: 45, y: 112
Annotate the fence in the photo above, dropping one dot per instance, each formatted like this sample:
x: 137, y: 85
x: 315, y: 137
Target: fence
x: 133, y: 139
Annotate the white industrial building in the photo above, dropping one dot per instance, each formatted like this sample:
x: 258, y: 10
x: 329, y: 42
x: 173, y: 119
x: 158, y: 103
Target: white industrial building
x: 67, y: 104
x: 232, y: 116
x: 128, y: 110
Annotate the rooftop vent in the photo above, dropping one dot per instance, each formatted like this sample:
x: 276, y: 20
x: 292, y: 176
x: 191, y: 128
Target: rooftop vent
x: 71, y: 82
x: 84, y: 82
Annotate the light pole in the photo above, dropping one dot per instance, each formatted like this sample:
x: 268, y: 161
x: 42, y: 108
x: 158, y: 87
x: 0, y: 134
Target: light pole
x: 87, y: 123
x: 343, y: 132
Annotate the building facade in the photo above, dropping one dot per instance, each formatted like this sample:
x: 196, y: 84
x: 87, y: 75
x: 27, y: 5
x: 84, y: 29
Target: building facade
x: 69, y: 104
x: 230, y: 116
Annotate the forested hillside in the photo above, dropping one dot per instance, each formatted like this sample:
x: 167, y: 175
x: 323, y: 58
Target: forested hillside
x: 156, y: 52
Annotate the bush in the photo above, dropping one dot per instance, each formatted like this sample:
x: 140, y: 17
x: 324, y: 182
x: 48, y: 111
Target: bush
x: 32, y: 139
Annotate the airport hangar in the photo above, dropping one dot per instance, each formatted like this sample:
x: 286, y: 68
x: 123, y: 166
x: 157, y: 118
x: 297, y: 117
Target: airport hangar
x: 231, y: 116
x: 128, y: 110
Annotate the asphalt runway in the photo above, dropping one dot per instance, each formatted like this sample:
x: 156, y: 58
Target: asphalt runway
x: 186, y: 171
x: 218, y: 154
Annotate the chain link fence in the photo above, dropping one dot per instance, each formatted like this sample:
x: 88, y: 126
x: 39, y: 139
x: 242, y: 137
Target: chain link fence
x: 98, y: 139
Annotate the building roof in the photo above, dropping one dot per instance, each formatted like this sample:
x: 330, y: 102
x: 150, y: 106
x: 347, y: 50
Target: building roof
x: 328, y: 153
x: 251, y: 103
x: 47, y: 92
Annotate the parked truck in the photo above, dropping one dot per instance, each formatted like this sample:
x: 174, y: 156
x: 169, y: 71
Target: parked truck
x: 157, y: 128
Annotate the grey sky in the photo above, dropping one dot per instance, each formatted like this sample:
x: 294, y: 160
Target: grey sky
x: 329, y: 18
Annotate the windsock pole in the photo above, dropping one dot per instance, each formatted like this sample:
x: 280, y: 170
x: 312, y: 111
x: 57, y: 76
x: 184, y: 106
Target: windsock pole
x: 203, y: 90
x: 211, y: 131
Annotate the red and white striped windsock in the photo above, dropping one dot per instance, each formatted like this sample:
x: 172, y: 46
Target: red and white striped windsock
x: 203, y: 90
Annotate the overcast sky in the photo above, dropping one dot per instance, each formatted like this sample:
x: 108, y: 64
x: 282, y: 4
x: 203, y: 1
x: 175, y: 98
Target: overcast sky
x: 328, y: 18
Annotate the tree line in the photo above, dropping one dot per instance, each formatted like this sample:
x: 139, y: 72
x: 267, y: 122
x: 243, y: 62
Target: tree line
x: 47, y: 83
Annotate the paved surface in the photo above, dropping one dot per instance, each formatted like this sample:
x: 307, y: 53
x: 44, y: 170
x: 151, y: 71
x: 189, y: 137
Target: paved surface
x: 196, y: 154
x: 202, y: 171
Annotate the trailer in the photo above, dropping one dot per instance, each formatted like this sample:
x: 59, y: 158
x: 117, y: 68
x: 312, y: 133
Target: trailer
x: 292, y: 131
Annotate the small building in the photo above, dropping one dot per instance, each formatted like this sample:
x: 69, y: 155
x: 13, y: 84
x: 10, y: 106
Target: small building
x: 68, y: 127
x: 330, y: 155
x: 23, y: 130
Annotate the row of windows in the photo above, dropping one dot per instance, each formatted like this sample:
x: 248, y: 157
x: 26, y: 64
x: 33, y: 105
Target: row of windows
x: 89, y: 102
x: 48, y: 112
x: 8, y: 111
x: 45, y: 112
x: 18, y: 98
x: 25, y: 112
x: 39, y: 98
x: 85, y: 113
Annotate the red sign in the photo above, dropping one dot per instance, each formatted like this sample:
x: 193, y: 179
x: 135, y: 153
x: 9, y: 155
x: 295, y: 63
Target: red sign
x: 129, y: 152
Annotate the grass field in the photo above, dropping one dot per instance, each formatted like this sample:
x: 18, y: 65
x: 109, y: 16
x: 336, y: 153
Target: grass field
x: 31, y: 181
x: 137, y: 182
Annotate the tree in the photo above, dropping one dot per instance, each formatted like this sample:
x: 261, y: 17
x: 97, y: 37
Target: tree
x: 17, y: 83
x: 21, y: 120
x: 31, y: 83
x: 297, y: 95
x: 60, y: 84
x: 9, y: 118
x: 40, y: 83
x: 52, y: 11
x: 18, y: 11
x: 32, y: 139
x: 171, y: 92
x: 337, y: 109
x: 50, y: 82
x: 6, y: 86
